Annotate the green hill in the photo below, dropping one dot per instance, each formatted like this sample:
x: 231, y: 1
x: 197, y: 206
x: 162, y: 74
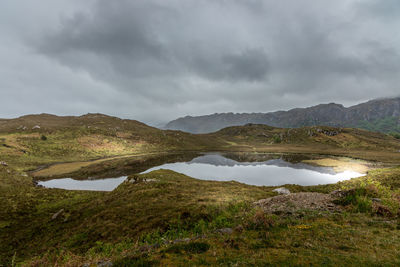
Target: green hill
x: 169, y: 219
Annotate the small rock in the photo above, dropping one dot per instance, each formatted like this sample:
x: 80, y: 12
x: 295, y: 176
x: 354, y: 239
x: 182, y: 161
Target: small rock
x: 3, y: 163
x: 35, y: 127
x: 225, y: 231
x: 55, y: 215
x: 282, y: 190
x: 104, y: 263
x: 150, y: 180
x: 378, y: 200
x: 134, y: 179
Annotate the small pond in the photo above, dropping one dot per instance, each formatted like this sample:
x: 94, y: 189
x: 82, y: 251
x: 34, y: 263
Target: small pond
x: 218, y: 167
x: 108, y: 184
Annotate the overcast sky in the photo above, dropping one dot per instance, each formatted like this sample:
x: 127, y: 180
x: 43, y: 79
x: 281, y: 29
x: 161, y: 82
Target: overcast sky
x: 156, y: 60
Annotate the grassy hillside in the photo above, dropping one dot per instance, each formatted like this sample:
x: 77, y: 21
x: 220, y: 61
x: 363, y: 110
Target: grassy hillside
x: 386, y: 125
x: 166, y: 218
x: 42, y: 139
x: 176, y: 220
x: 322, y: 135
x: 322, y: 140
x: 34, y: 140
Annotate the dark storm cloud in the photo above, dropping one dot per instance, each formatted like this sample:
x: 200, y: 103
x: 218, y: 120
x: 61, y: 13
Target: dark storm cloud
x: 147, y: 38
x: 154, y: 60
x: 251, y: 65
x: 248, y: 65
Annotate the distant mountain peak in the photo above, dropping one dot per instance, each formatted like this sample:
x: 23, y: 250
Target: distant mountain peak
x: 376, y: 114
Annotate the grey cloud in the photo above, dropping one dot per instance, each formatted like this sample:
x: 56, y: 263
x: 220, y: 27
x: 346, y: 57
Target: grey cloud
x: 146, y: 39
x: 251, y: 65
x: 388, y: 9
x: 248, y: 65
x: 155, y: 60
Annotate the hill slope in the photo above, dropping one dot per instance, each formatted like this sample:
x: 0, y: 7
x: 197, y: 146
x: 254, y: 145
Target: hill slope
x: 43, y: 139
x: 36, y: 140
x: 169, y: 219
x: 376, y: 115
x: 315, y: 139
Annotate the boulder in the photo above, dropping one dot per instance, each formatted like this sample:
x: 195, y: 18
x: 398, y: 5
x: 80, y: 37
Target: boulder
x: 22, y: 127
x: 282, y: 190
x: 3, y: 163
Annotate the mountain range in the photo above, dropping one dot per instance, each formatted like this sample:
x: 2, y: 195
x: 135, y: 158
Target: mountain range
x: 381, y: 115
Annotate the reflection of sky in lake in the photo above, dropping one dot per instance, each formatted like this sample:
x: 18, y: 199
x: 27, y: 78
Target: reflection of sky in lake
x: 94, y: 185
x: 271, y: 173
x: 216, y: 167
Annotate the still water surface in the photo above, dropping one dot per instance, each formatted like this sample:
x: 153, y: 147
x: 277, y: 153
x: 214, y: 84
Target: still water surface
x: 108, y: 184
x: 272, y: 172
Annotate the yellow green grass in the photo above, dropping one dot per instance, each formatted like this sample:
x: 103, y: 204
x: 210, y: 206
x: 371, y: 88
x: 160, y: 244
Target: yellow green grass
x: 121, y: 225
x: 136, y: 224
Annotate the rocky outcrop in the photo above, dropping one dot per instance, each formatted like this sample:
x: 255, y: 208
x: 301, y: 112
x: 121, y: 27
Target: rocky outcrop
x: 282, y: 190
x: 290, y: 203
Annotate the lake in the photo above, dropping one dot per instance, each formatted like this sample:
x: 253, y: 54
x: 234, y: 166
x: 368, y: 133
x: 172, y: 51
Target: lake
x: 219, y: 167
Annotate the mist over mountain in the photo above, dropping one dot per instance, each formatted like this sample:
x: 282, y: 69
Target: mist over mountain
x: 376, y: 115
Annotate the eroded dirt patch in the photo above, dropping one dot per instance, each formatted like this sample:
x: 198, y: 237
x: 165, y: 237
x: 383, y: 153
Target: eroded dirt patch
x: 298, y: 201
